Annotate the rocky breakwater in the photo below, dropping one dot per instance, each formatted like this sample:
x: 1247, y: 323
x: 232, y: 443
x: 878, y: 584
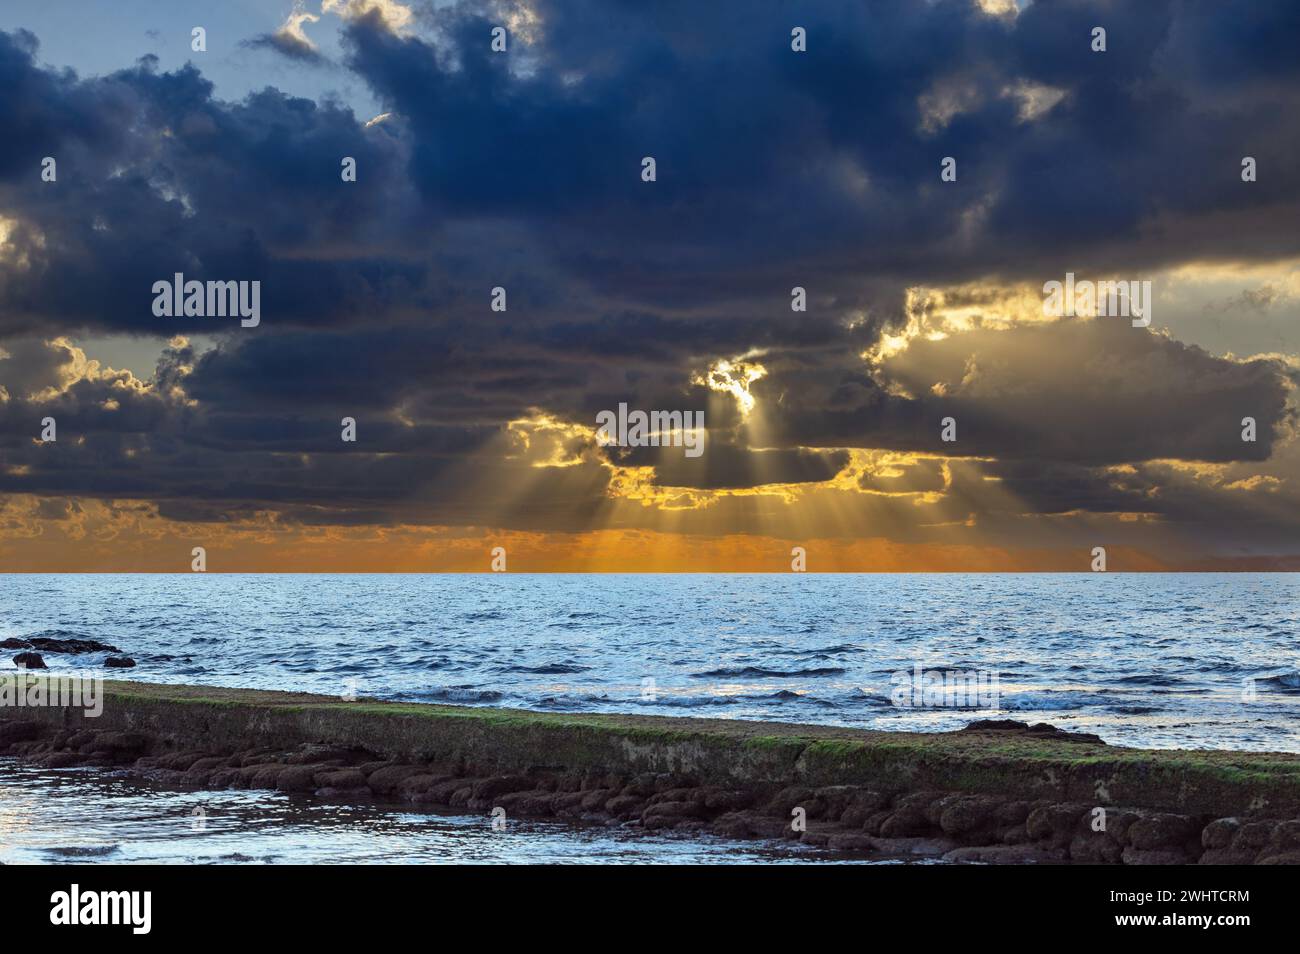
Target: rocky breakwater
x: 31, y: 649
x: 996, y: 793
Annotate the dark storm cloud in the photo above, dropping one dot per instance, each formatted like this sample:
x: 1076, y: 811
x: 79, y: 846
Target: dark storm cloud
x: 770, y: 157
x: 775, y: 169
x: 722, y: 466
x: 1096, y: 392
x: 155, y: 176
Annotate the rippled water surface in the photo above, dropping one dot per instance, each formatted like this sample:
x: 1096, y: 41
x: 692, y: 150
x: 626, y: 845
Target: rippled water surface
x: 89, y: 816
x: 1142, y: 659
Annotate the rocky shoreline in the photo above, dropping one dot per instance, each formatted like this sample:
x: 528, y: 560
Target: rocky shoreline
x: 861, y: 793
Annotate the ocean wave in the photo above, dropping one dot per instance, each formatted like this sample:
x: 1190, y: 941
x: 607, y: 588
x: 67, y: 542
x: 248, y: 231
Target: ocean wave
x: 1148, y: 679
x: 460, y: 694
x: 1284, y: 681
x: 546, y: 669
x: 818, y: 652
x: 758, y: 672
x: 1049, y: 700
x: 569, y: 702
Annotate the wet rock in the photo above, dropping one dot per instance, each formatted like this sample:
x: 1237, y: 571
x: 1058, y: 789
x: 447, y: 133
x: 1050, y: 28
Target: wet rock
x: 445, y: 770
x: 490, y: 788
x: 733, y: 825
x: 14, y: 642
x: 905, y: 822
x: 11, y: 732
x: 816, y: 838
x: 1286, y: 835
x: 924, y: 847
x: 266, y: 776
x: 678, y: 795
x: 119, y: 743
x: 666, y: 781
x: 725, y: 800
x: 1054, y: 823
x: 71, y: 646
x: 595, y: 800
x: 1013, y: 812
x: 206, y: 763
x: 384, y: 781
x: 1118, y: 824
x: 919, y: 800
x: 749, y: 824
x: 340, y: 778
x: 1285, y: 858
x: 119, y: 662
x: 786, y: 800
x: 195, y: 778
x: 56, y: 760
x: 967, y: 814
x: 440, y: 792
x: 260, y: 756
x: 297, y: 778
x: 871, y: 825
x: 29, y: 660
x: 543, y: 803
x: 1220, y: 832
x: 836, y: 798
x: 862, y: 806
x: 851, y: 841
x: 641, y: 785
x: 668, y: 814
x: 314, y: 754
x: 176, y: 760
x: 223, y: 778
x: 413, y: 785
x: 516, y: 803
x: 1014, y: 835
x: 625, y: 806
x: 1254, y: 835
x: 1095, y: 848
x: 1161, y: 830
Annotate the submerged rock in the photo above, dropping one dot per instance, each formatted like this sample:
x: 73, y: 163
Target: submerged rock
x: 119, y: 662
x: 30, y: 660
x: 71, y: 646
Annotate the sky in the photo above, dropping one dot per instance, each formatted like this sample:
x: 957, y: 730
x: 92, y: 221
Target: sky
x: 840, y: 260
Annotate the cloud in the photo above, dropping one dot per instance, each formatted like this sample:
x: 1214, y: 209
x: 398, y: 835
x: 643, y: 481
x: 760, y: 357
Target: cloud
x: 775, y: 169
x: 391, y: 14
x: 291, y: 38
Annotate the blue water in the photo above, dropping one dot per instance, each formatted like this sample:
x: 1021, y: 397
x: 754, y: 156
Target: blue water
x: 1155, y: 660
x: 89, y: 816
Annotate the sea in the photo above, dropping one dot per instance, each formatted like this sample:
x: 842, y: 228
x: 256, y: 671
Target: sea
x: 1190, y: 661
